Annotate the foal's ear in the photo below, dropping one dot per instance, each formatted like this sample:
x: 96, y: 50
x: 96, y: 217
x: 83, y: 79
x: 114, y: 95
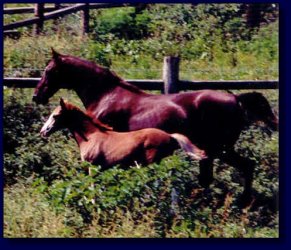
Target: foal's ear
x: 55, y: 55
x: 63, y: 104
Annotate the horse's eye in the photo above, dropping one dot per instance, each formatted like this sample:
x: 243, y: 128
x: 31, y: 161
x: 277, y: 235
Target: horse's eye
x: 56, y: 116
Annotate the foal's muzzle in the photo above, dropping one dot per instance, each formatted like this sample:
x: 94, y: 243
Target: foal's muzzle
x: 43, y: 134
x: 46, y: 132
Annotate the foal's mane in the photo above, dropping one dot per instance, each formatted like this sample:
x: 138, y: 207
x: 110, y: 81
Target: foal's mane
x: 106, y: 72
x: 102, y: 126
x: 88, y: 116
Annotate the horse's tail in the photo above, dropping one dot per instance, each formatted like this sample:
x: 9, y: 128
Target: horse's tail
x: 189, y: 147
x: 258, y: 108
x: 248, y: 99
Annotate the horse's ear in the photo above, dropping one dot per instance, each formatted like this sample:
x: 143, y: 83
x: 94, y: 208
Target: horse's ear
x: 55, y: 55
x: 63, y: 104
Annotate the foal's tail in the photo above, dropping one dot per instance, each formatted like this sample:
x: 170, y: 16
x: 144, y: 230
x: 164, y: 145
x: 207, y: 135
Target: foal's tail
x: 192, y: 150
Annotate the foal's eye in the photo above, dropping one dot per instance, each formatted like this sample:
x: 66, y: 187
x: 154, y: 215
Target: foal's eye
x: 56, y: 116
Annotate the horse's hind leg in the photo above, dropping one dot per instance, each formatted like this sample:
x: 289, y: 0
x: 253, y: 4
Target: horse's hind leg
x: 206, y: 172
x: 246, y: 167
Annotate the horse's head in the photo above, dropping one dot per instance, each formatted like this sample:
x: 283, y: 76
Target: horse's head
x: 259, y: 109
x: 56, y: 121
x: 50, y: 81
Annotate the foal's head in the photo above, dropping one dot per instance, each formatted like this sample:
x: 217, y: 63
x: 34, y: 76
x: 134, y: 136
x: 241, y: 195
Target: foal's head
x: 59, y: 119
x: 69, y: 116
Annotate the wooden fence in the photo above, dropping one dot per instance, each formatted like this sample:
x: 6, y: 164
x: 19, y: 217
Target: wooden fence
x: 43, y: 13
x: 169, y: 84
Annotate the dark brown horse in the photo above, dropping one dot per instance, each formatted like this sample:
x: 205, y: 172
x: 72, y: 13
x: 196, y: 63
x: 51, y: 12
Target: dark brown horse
x: 212, y: 120
x: 100, y: 145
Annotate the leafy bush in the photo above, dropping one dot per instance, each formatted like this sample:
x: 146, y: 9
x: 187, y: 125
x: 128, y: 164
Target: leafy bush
x: 124, y: 23
x: 166, y: 196
x: 25, y: 152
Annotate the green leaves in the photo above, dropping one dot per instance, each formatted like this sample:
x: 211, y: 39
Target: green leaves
x: 168, y: 193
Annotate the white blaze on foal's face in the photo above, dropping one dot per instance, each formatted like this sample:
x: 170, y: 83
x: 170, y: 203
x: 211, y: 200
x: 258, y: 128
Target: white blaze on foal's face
x: 50, y: 125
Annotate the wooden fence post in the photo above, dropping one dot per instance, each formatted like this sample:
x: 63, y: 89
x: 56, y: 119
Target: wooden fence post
x: 39, y: 12
x: 171, y: 74
x: 86, y: 17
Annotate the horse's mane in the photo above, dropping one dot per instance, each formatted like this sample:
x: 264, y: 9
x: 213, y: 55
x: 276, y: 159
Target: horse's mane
x: 125, y: 84
x: 98, y: 69
x: 95, y: 121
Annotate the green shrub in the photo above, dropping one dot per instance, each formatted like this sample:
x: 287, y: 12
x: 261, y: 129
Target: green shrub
x: 168, y: 193
x: 25, y: 152
x: 124, y: 23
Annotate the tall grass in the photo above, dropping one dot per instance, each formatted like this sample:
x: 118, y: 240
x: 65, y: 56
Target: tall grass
x: 254, y: 59
x: 27, y: 214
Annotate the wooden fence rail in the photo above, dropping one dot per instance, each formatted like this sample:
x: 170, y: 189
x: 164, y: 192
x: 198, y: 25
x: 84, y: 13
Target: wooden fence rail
x: 169, y: 84
x: 56, y: 13
x: 30, y: 10
x: 159, y: 84
x: 51, y: 15
x: 25, y: 10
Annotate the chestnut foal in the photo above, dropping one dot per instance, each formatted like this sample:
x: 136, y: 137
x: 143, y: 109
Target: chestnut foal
x: 100, y: 145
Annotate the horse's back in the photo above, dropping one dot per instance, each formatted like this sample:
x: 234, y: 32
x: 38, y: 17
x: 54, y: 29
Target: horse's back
x: 215, y: 118
x: 202, y: 97
x: 157, y: 111
x: 209, y: 118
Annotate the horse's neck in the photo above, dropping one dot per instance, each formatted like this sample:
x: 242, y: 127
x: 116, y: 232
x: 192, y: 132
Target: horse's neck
x: 93, y: 97
x: 88, y: 93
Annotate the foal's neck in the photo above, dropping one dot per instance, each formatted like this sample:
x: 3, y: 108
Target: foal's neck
x: 83, y: 127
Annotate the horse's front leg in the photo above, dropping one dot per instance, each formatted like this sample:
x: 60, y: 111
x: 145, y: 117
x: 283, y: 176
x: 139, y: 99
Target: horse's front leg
x: 246, y: 167
x: 206, y: 172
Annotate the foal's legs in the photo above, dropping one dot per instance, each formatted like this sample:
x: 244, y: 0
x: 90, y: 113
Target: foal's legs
x: 246, y: 166
x: 206, y: 172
